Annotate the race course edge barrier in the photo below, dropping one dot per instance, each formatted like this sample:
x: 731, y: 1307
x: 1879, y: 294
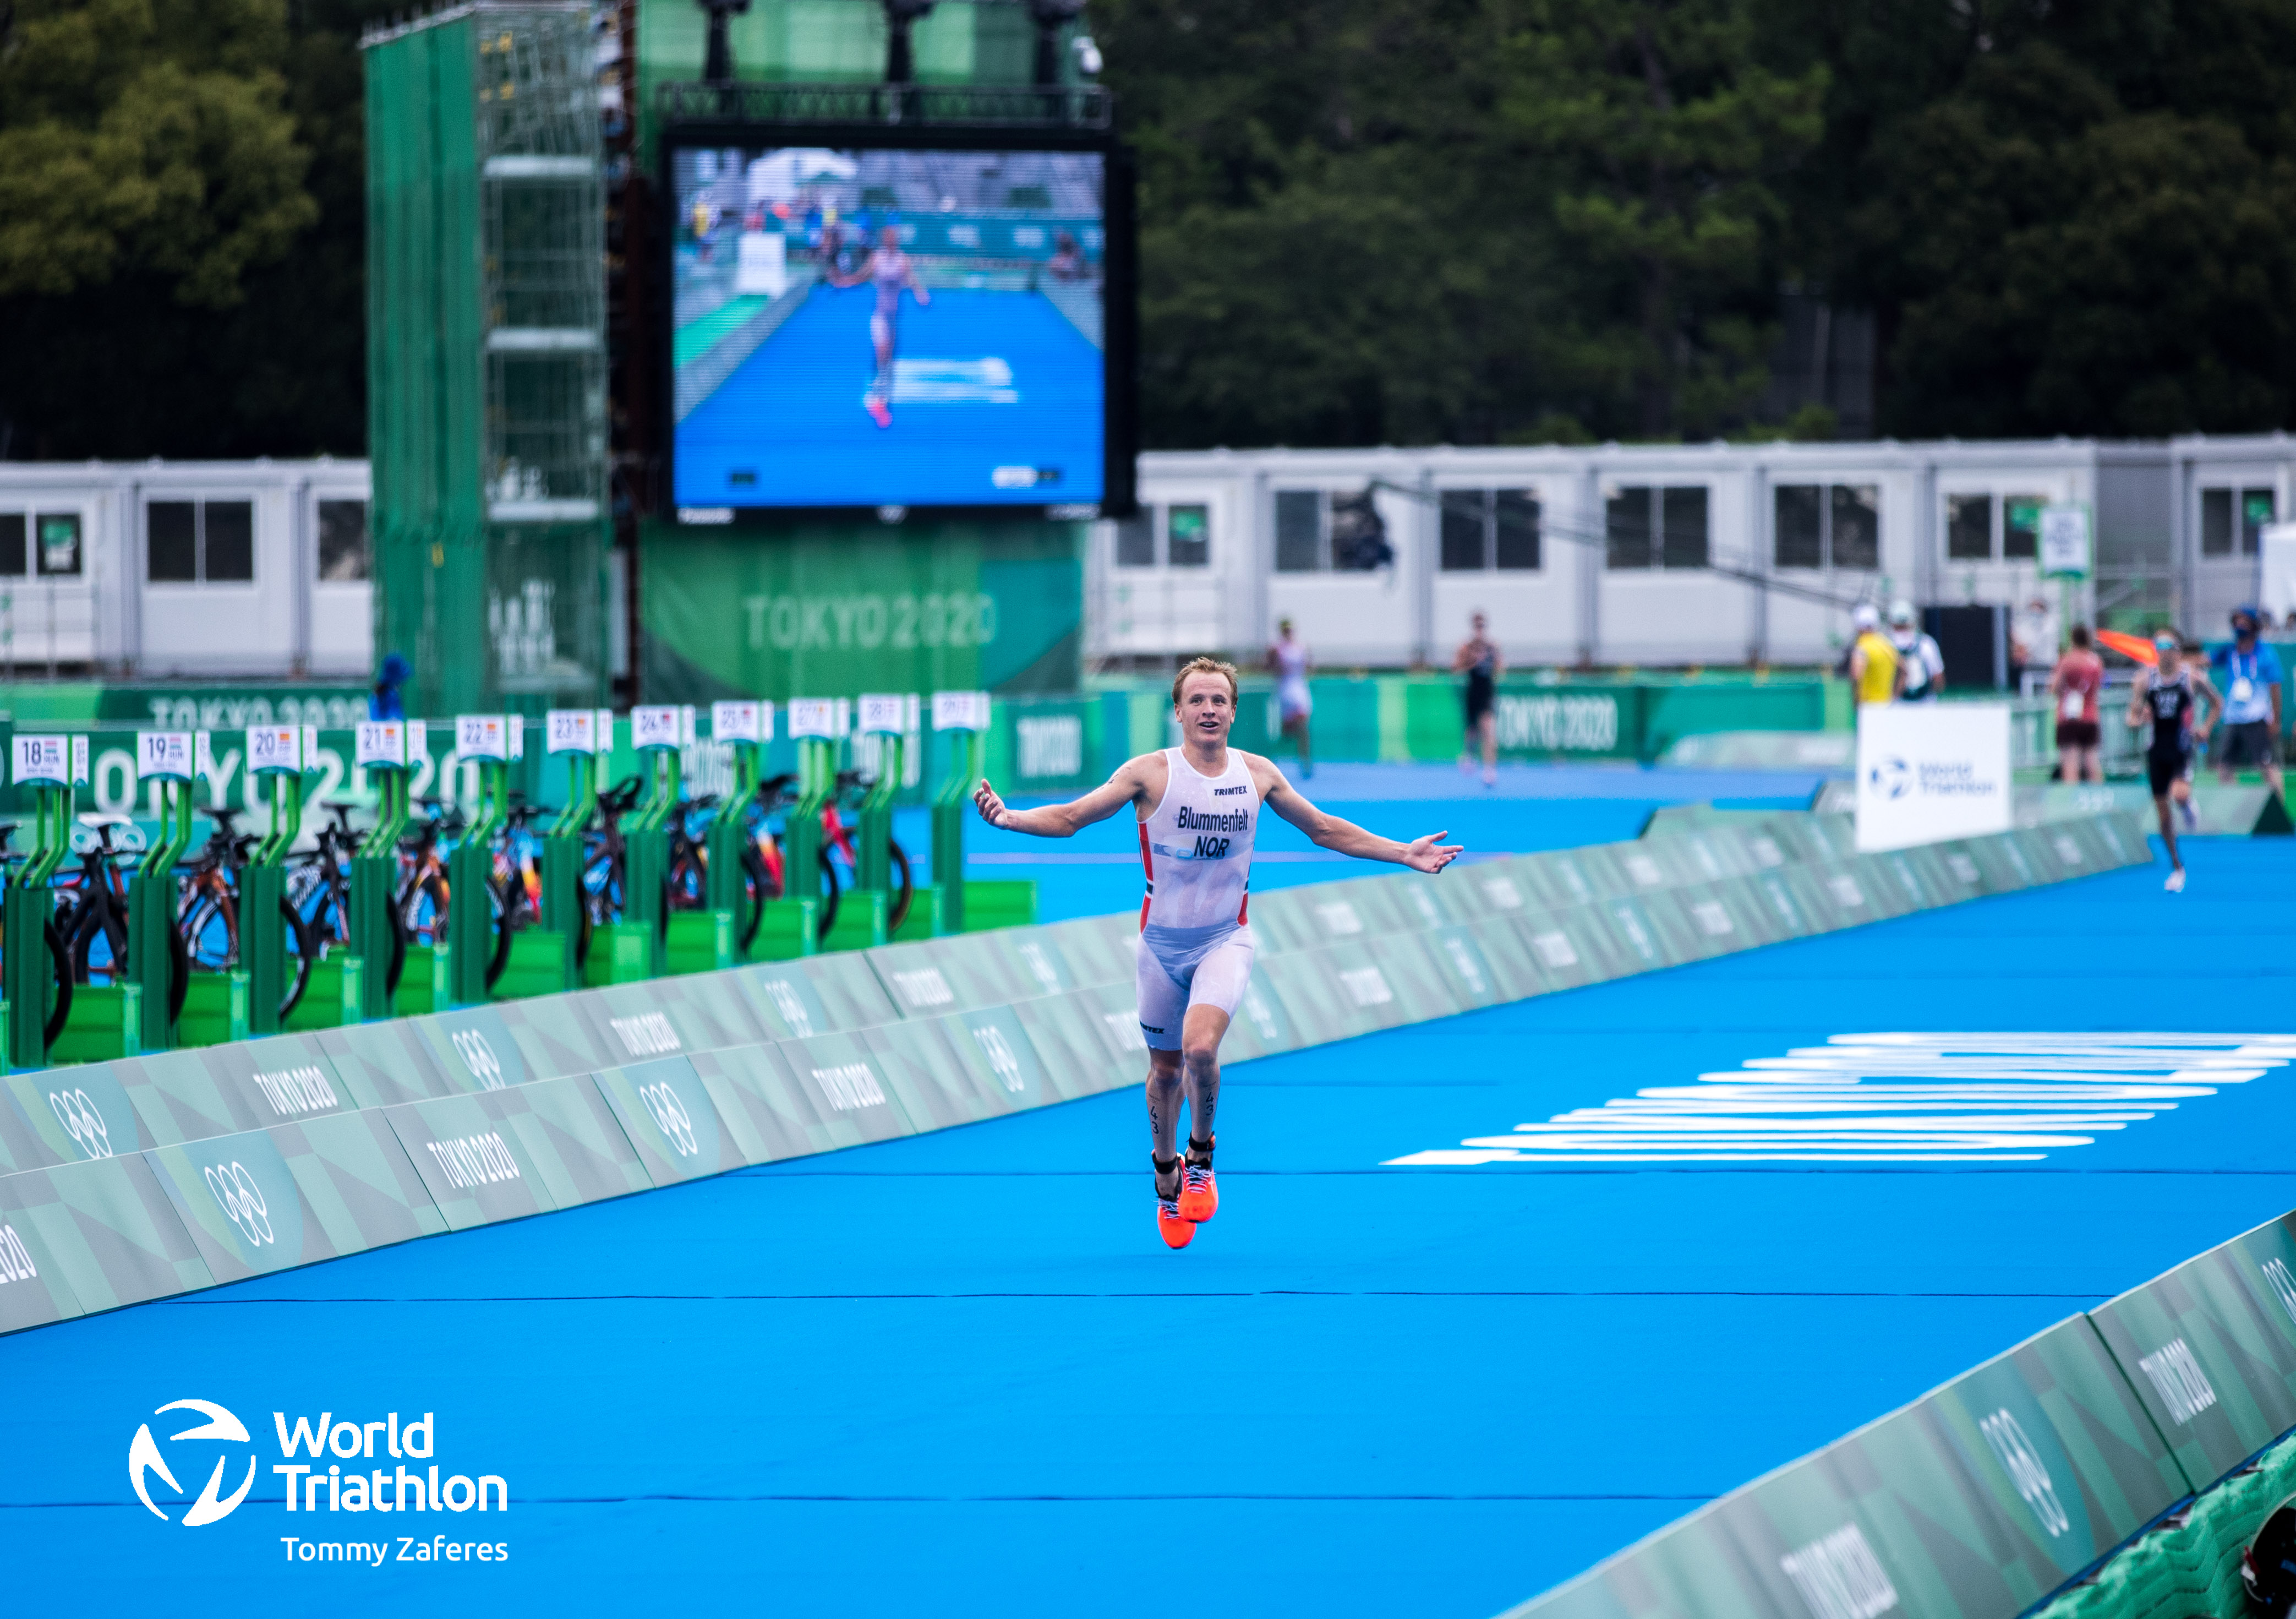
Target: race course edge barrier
x: 159, y: 1175
x: 2110, y: 1468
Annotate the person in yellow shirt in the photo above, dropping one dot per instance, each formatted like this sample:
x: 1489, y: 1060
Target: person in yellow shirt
x: 1875, y: 666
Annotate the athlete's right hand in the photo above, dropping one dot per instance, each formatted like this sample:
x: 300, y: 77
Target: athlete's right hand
x: 991, y: 807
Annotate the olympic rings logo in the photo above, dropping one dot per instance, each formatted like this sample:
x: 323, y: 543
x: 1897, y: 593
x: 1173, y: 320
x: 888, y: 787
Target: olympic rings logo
x: 82, y: 1122
x: 235, y: 1192
x: 479, y: 1058
x: 670, y: 1117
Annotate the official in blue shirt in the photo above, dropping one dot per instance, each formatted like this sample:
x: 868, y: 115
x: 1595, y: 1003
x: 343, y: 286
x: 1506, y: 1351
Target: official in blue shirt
x: 385, y: 702
x: 2248, y: 674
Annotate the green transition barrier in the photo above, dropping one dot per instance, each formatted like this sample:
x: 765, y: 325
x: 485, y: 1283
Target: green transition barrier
x: 169, y: 1171
x: 2114, y: 1465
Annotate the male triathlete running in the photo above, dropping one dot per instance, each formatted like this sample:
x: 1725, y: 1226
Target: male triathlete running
x: 889, y: 269
x: 2169, y: 697
x: 1198, y: 806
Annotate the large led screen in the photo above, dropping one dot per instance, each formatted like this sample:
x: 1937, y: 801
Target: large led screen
x: 869, y: 327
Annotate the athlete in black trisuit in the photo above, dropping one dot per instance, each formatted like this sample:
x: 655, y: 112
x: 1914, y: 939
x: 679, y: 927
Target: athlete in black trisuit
x: 2170, y: 697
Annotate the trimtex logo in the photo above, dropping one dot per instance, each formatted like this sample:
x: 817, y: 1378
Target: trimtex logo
x: 145, y: 1458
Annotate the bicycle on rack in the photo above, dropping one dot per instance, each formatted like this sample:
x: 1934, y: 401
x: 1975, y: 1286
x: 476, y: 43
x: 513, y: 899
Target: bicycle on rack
x: 837, y: 834
x: 777, y: 796
x: 59, y: 957
x: 208, y: 917
x: 319, y: 884
x: 423, y: 904
x: 605, y: 861
x: 92, y: 902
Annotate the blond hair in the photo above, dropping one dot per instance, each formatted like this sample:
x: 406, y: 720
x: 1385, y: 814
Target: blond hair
x: 1204, y: 666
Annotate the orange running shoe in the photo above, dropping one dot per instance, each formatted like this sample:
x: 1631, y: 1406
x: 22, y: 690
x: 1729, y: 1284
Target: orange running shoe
x: 1177, y: 1232
x: 1198, y: 1187
x: 878, y: 413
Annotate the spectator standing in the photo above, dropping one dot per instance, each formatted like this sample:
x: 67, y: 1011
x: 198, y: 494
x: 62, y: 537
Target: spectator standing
x: 1478, y: 658
x: 1918, y: 655
x: 1874, y: 666
x: 2169, y: 697
x: 2251, y: 675
x: 1295, y: 704
x: 2074, y: 686
x: 385, y: 702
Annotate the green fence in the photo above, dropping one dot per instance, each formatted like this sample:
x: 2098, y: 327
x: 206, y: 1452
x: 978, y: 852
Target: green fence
x: 151, y: 1176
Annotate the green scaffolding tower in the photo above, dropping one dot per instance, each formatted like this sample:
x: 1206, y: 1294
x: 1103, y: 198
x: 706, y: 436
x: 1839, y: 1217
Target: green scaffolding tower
x: 487, y: 354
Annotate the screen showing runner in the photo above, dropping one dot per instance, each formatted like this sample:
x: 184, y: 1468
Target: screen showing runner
x: 887, y: 328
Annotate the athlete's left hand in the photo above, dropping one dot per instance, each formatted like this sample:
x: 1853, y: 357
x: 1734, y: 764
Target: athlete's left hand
x: 1425, y: 854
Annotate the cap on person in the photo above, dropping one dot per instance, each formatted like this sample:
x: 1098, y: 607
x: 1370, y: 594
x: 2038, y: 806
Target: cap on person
x: 1863, y: 616
x: 1901, y: 613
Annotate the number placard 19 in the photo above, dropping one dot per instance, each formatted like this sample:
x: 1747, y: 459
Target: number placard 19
x: 884, y: 711
x: 741, y: 721
x: 41, y: 761
x: 481, y: 736
x: 654, y: 726
x: 163, y: 756
x: 960, y: 711
x: 274, y: 748
x: 813, y: 716
x: 381, y: 742
x: 572, y: 730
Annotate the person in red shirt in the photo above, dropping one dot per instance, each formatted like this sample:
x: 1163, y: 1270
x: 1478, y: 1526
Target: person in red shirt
x: 2078, y: 677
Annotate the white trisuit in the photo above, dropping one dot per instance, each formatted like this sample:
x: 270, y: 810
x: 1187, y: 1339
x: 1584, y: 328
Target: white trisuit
x: 1195, y: 940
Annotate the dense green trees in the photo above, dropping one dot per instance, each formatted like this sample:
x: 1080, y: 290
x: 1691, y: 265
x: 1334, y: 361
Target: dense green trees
x: 1363, y: 220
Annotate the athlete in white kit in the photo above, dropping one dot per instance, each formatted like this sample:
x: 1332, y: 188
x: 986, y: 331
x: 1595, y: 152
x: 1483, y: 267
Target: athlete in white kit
x: 1199, y: 806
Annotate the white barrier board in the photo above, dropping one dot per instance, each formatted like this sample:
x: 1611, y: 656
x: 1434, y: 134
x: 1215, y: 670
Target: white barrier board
x: 1931, y: 770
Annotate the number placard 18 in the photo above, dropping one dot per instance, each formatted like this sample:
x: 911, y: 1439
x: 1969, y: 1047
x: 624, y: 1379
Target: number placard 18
x: 960, y: 711
x: 654, y: 726
x: 884, y: 711
x: 481, y: 736
x: 274, y: 748
x: 741, y: 721
x: 572, y: 730
x: 163, y: 756
x: 41, y: 761
x: 813, y: 716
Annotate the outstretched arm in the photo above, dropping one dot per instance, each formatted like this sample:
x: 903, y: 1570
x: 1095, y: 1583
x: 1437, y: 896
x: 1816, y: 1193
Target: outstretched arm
x: 1063, y: 820
x: 1330, y: 832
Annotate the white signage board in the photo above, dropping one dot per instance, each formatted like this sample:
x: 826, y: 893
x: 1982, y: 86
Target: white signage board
x: 163, y: 756
x: 2064, y: 541
x: 518, y: 736
x: 1930, y: 770
x: 813, y: 717
x: 481, y: 736
x: 41, y: 761
x: 741, y: 721
x: 572, y: 730
x: 884, y: 711
x: 80, y: 749
x: 418, y: 742
x: 380, y: 745
x: 654, y: 726
x: 2277, y: 545
x: 960, y: 711
x: 274, y: 748
x: 605, y: 730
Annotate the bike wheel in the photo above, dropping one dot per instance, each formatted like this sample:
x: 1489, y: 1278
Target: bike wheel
x: 904, y: 887
x: 423, y: 907
x: 755, y: 877
x: 92, y: 921
x: 180, y: 974
x: 62, y: 959
x: 210, y: 932
x: 503, y: 907
x: 829, y: 896
x: 302, y: 948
